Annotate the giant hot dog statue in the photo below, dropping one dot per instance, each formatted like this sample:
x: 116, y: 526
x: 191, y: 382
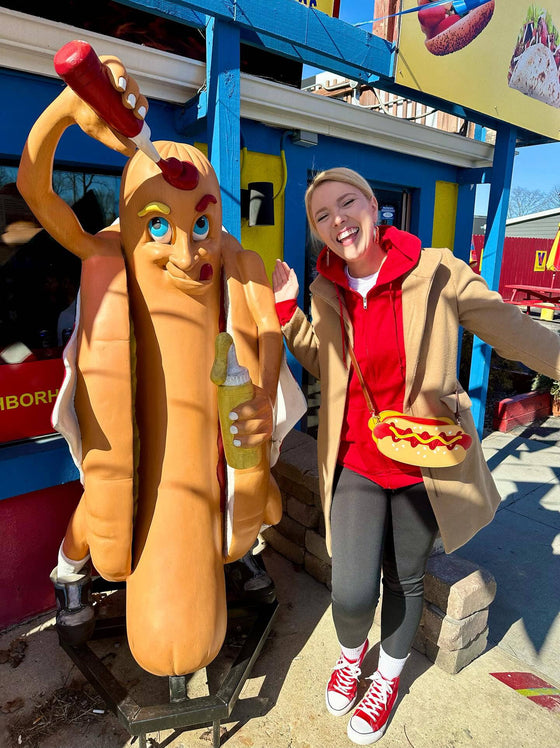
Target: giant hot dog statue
x: 156, y: 290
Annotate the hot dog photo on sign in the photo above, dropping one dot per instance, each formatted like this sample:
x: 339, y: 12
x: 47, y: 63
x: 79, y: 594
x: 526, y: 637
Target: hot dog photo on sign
x: 450, y: 26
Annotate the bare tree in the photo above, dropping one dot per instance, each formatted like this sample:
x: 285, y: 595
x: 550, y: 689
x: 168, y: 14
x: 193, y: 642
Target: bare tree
x: 71, y: 185
x: 523, y: 201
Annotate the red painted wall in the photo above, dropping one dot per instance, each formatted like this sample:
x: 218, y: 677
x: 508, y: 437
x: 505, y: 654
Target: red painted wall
x: 27, y: 395
x: 518, y: 261
x: 33, y: 526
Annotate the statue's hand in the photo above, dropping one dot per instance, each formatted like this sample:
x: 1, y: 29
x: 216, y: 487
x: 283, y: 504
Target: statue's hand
x: 92, y: 124
x: 254, y: 420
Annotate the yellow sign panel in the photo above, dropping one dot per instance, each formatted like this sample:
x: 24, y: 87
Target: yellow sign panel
x: 330, y: 7
x: 540, y: 260
x: 501, y: 58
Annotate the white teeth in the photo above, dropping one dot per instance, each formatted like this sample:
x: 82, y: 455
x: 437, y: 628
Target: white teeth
x: 346, y: 233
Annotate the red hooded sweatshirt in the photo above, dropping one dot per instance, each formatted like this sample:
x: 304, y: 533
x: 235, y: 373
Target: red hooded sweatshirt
x: 379, y: 349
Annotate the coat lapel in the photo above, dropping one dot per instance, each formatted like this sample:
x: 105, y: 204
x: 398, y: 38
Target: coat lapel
x: 415, y: 293
x: 326, y: 290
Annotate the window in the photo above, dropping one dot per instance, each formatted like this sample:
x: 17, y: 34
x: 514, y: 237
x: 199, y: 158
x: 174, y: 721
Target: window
x: 39, y: 282
x: 39, y: 279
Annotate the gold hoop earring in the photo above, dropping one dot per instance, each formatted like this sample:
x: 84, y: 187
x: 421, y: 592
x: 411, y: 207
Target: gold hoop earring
x: 377, y: 234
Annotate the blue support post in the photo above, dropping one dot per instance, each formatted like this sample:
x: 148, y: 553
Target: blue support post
x: 422, y: 217
x: 224, y: 140
x: 294, y: 239
x: 463, y: 238
x: 464, y: 221
x: 479, y: 132
x: 492, y: 260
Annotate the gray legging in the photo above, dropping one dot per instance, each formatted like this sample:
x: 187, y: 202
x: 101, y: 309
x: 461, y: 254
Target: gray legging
x: 374, y: 527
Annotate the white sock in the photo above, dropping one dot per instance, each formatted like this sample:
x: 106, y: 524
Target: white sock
x: 390, y: 667
x: 67, y: 566
x: 352, y: 654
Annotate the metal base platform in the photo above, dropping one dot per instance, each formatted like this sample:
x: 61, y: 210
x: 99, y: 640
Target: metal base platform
x: 181, y: 712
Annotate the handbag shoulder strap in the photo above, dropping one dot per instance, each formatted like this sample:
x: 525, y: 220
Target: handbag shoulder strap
x: 369, y: 401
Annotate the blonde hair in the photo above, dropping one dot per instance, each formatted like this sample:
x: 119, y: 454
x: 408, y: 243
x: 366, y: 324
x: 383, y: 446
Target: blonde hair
x: 338, y: 174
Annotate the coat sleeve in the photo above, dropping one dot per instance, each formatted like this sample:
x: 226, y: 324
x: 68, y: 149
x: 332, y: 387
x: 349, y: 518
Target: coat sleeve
x: 513, y: 335
x: 303, y: 342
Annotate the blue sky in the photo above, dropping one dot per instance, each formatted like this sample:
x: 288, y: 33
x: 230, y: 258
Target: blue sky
x: 535, y: 167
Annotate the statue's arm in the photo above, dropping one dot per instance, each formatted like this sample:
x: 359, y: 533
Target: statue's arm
x: 260, y: 301
x: 36, y: 166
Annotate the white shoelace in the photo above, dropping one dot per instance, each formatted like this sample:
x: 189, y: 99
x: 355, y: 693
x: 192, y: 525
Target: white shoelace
x: 377, y: 696
x: 347, y: 673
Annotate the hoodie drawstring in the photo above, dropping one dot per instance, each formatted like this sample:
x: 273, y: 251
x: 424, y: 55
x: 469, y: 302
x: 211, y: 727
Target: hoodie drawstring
x: 393, y: 297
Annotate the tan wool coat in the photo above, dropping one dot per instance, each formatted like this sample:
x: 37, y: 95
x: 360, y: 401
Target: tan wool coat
x: 438, y: 295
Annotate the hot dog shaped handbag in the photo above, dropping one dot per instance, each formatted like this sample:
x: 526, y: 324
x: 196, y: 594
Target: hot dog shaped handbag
x: 424, y: 442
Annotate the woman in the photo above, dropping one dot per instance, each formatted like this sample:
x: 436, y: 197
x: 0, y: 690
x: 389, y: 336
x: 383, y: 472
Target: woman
x: 399, y: 307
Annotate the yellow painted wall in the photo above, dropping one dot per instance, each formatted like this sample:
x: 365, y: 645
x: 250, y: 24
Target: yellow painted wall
x: 445, y: 214
x: 268, y: 241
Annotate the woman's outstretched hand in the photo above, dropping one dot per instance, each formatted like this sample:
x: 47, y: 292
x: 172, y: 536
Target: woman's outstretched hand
x: 284, y: 282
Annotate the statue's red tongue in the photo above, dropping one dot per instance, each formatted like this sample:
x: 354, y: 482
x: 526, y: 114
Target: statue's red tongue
x: 206, y: 272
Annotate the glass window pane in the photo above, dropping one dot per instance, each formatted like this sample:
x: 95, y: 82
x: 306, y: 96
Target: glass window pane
x: 39, y: 282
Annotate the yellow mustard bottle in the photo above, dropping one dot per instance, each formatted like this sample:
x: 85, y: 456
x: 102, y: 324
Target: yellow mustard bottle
x: 234, y: 387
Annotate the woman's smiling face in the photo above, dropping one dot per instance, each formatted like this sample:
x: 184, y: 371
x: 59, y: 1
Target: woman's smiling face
x: 345, y: 220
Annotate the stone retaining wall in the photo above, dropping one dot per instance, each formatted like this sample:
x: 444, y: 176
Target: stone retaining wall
x: 457, y: 593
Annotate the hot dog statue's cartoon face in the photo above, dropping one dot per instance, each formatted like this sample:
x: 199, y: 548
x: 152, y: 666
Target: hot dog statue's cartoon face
x: 176, y: 232
x: 156, y: 290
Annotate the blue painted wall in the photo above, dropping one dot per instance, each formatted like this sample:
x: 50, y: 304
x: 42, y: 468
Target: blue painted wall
x: 27, y: 96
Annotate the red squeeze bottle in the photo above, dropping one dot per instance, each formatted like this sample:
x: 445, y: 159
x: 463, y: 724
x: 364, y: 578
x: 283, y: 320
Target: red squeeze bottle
x: 80, y: 68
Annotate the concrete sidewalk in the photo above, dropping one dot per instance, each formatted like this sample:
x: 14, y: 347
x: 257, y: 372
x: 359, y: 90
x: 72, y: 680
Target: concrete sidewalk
x: 44, y: 701
x: 521, y: 547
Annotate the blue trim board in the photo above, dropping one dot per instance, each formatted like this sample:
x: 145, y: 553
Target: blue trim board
x: 224, y: 140
x: 35, y: 464
x: 464, y: 221
x: 482, y: 121
x: 290, y: 29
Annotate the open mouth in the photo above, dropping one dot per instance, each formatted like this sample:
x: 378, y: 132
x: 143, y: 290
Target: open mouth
x: 347, y: 235
x: 186, y: 283
x: 206, y: 272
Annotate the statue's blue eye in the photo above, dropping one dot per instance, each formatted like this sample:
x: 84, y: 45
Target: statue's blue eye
x: 160, y: 230
x: 201, y: 229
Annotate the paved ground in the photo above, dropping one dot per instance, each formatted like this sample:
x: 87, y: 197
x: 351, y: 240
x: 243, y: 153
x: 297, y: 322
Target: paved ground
x: 522, y: 545
x: 45, y: 703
